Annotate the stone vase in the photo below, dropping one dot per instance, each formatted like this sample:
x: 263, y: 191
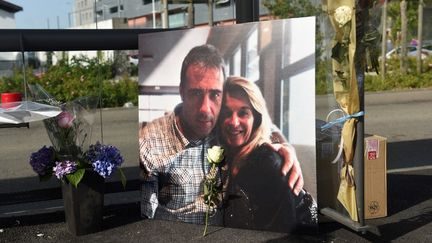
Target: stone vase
x: 83, y: 205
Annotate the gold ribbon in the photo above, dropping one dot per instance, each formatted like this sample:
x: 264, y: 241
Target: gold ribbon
x: 346, y: 92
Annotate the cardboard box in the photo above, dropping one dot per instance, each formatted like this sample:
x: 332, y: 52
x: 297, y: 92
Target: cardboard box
x: 375, y: 177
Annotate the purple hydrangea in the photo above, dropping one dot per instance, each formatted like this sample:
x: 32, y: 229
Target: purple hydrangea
x: 42, y: 160
x: 63, y: 168
x: 104, y: 158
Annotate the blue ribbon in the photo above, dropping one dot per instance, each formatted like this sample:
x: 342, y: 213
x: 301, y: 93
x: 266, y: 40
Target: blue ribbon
x: 341, y: 120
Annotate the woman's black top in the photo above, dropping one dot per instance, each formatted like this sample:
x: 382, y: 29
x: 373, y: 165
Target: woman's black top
x: 259, y: 198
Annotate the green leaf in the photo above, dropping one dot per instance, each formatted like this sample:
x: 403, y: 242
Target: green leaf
x: 206, y: 190
x: 76, y: 177
x: 122, y: 178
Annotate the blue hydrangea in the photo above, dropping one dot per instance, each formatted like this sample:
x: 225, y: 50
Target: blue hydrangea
x: 63, y: 168
x: 104, y: 158
x: 42, y: 160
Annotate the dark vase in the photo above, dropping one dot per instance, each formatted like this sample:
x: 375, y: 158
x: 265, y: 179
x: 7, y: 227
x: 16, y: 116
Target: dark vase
x: 84, y: 205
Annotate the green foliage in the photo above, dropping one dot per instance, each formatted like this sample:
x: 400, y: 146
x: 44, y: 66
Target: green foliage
x: 133, y: 70
x: 291, y: 8
x: 323, y: 71
x: 13, y: 83
x: 394, y: 80
x: 393, y: 12
x: 116, y: 93
x: 82, y: 76
x: 76, y: 177
x: 296, y: 9
x: 397, y: 81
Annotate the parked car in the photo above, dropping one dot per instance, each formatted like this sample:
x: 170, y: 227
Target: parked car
x: 428, y: 45
x: 133, y: 59
x: 411, y: 52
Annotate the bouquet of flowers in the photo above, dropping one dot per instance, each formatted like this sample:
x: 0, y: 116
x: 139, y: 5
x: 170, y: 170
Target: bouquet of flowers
x: 71, y: 153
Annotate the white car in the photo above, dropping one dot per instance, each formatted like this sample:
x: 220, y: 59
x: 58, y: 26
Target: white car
x: 411, y: 52
x: 133, y: 59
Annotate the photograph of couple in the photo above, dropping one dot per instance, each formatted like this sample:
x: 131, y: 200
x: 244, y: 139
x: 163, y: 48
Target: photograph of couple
x: 227, y: 132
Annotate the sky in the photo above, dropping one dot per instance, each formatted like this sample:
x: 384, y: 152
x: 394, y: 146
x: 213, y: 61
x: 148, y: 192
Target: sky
x: 43, y: 14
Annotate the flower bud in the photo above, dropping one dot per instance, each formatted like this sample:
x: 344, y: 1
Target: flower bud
x: 65, y: 119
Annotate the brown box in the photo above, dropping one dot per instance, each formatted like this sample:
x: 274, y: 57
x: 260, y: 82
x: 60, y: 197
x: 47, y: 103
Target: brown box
x: 375, y: 177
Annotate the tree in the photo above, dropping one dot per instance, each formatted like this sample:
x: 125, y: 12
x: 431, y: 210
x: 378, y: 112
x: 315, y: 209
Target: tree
x: 420, y: 36
x: 394, y: 15
x: 404, y: 32
x: 294, y: 9
x: 412, y: 28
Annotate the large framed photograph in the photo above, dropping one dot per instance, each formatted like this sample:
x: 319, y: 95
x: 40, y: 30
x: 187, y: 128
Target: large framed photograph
x: 235, y: 88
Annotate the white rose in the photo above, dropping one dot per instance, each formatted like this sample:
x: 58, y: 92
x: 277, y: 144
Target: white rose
x: 215, y: 154
x: 343, y: 15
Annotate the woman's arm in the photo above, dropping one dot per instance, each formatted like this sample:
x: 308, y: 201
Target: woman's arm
x: 290, y: 163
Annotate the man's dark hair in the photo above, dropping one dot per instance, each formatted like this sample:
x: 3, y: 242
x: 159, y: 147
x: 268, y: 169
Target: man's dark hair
x: 206, y: 55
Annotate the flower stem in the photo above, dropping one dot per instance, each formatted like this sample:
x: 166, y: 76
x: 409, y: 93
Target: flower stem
x: 206, y: 221
x: 209, y: 202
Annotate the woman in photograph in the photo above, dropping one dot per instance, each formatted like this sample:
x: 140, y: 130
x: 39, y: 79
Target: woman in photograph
x: 257, y: 195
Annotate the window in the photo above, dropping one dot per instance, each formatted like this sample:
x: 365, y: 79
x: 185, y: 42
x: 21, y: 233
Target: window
x: 236, y: 64
x: 113, y: 10
x: 252, y: 57
x: 222, y: 3
x: 177, y: 20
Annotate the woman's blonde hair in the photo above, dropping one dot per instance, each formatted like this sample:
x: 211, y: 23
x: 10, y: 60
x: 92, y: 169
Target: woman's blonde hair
x: 262, y: 123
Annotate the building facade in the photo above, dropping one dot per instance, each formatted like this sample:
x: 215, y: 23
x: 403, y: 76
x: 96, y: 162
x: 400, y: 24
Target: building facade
x: 84, y: 12
x: 7, y: 21
x: 149, y: 13
x: 7, y: 15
